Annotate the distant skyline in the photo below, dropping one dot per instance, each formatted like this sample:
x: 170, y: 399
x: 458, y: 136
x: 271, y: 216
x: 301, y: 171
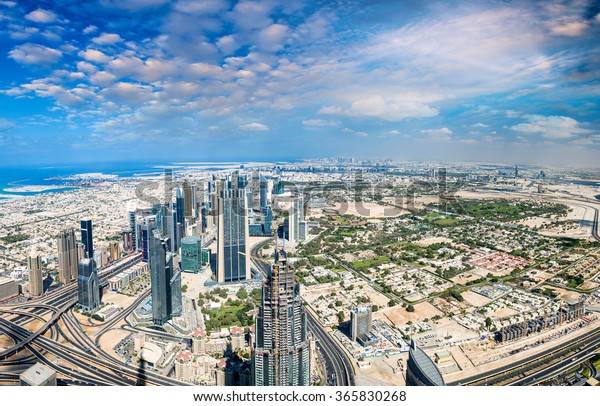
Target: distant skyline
x: 216, y: 80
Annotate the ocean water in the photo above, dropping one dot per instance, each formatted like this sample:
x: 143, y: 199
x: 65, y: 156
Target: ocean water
x: 11, y: 177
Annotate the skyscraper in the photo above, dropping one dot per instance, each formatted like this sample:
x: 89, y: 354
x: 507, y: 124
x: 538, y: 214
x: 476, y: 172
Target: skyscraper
x: 191, y: 254
x: 67, y: 256
x: 233, y: 262
x: 87, y: 238
x: 88, y: 287
x: 268, y: 220
x: 420, y: 369
x: 132, y: 219
x: 264, y: 187
x: 360, y: 322
x: 296, y: 215
x: 187, y: 202
x: 165, y: 283
x: 281, y: 353
x: 34, y: 269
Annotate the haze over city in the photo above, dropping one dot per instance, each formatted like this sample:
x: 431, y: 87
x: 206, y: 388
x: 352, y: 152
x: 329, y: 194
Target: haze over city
x: 281, y: 80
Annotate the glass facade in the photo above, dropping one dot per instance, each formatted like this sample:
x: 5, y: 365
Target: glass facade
x: 88, y: 287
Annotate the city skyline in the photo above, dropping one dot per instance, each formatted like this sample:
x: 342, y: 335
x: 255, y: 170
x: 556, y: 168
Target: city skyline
x: 509, y: 82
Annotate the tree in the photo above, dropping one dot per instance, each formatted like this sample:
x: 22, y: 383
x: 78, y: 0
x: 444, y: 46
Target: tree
x: 242, y: 294
x: 392, y: 303
x: 340, y: 316
x: 410, y: 308
x: 488, y: 322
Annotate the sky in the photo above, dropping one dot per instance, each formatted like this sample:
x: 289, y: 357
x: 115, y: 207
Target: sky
x: 213, y: 80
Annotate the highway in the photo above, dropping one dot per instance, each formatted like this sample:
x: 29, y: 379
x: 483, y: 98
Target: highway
x: 338, y: 366
x: 517, y: 369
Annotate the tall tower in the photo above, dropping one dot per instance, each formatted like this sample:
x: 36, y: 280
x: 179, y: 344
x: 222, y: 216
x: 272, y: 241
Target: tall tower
x: 87, y: 238
x: 281, y: 353
x: 296, y: 215
x: 165, y: 283
x: 67, y: 256
x: 132, y: 219
x: 187, y: 202
x: 233, y: 251
x: 34, y: 269
x: 88, y: 286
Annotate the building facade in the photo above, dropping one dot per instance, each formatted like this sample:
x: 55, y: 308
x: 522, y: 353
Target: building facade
x: 360, y: 322
x: 421, y: 370
x: 68, y: 259
x: 88, y: 287
x: 34, y: 269
x: 281, y: 355
x: 233, y: 251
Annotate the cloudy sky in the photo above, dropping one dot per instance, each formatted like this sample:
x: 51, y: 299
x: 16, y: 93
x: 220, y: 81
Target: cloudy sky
x: 175, y: 80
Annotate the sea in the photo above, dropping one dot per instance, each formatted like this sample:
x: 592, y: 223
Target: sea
x: 18, y: 176
x: 45, y: 175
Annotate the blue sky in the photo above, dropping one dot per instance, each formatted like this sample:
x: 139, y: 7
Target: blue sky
x: 170, y: 80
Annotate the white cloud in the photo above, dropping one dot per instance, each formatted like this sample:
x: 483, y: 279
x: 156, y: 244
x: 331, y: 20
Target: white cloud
x: 572, y: 29
x: 129, y: 92
x: 90, y: 29
x: 41, y: 16
x: 5, y: 125
x: 8, y: 3
x: 94, y: 55
x: 553, y: 127
x: 391, y: 109
x: 315, y: 122
x: 133, y: 5
x: 272, y: 38
x: 254, y: 127
x: 102, y: 78
x: 248, y: 15
x: 392, y: 132
x: 35, y: 54
x: 107, y: 39
x: 480, y: 125
x: 438, y: 131
x: 361, y: 134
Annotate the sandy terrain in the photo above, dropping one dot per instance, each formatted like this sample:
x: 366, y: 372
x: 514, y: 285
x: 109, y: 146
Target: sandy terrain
x: 475, y: 299
x: 112, y: 338
x: 380, y: 373
x: 118, y: 299
x: 6, y: 341
x: 498, y: 314
x: 563, y: 293
x: 465, y: 277
x: 399, y: 316
x: 368, y: 209
x: 195, y: 282
x: 435, y: 240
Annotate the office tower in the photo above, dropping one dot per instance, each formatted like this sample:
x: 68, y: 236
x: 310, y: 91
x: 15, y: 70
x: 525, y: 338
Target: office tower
x: 113, y: 247
x: 281, y: 352
x: 233, y: 251
x: 67, y: 256
x: 264, y: 188
x: 165, y: 283
x: 360, y: 323
x: 128, y: 244
x: 88, y: 287
x: 132, y: 218
x: 146, y: 229
x: 296, y: 215
x: 420, y: 369
x: 34, y: 269
x: 179, y: 206
x: 516, y: 171
x: 87, y: 238
x: 187, y: 202
x: 268, y: 220
x: 255, y: 191
x: 191, y: 254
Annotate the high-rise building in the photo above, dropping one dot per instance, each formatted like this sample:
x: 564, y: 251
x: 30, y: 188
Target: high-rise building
x: 87, y: 238
x: 179, y: 206
x: 88, y: 286
x: 233, y: 251
x: 165, y: 283
x: 360, y: 322
x: 34, y: 269
x: 187, y: 202
x: 128, y: 242
x: 268, y: 221
x: 255, y: 201
x: 281, y: 354
x: 191, y: 254
x: 264, y: 189
x: 420, y: 369
x: 67, y: 256
x: 296, y: 215
x: 132, y: 219
x: 113, y: 247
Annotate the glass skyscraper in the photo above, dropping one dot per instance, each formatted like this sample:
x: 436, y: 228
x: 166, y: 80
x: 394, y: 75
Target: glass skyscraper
x: 88, y: 287
x: 87, y: 238
x: 233, y: 262
x: 281, y: 355
x: 166, y: 284
x: 191, y: 254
